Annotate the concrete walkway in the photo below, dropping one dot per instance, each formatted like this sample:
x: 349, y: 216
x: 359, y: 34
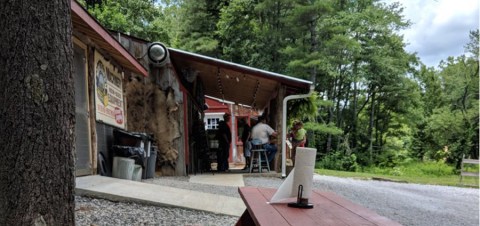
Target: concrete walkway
x: 224, y: 179
x: 126, y: 190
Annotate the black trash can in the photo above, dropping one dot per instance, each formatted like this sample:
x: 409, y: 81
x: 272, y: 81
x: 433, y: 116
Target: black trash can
x: 130, y: 145
x: 124, y: 138
x: 135, y: 153
x: 151, y: 163
x: 128, y: 162
x: 137, y: 140
x: 146, y: 143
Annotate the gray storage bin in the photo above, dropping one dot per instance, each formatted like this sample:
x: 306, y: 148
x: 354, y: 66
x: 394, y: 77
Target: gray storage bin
x: 123, y: 168
x: 137, y: 173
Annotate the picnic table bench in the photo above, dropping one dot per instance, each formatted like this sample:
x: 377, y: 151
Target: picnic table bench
x: 329, y: 209
x: 463, y: 170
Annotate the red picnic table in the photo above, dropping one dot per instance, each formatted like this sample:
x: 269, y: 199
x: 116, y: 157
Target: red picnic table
x: 329, y: 209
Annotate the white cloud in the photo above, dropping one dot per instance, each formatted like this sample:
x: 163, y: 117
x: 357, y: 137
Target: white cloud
x: 440, y: 27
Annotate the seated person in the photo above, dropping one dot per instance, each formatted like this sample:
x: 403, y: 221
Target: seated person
x: 261, y: 131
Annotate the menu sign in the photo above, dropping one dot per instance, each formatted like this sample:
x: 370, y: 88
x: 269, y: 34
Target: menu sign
x: 109, y: 105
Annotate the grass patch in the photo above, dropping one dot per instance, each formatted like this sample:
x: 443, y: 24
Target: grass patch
x: 409, y: 174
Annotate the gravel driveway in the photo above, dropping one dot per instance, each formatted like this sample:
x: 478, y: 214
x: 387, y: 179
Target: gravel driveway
x: 408, y: 204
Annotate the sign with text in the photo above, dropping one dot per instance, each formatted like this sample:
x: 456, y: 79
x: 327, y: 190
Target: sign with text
x: 109, y: 105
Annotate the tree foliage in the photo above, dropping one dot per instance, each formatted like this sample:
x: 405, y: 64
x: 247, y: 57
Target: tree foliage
x: 141, y: 18
x: 452, y: 99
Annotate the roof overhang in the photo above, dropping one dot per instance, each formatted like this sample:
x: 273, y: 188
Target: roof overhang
x: 235, y: 82
x: 84, y: 23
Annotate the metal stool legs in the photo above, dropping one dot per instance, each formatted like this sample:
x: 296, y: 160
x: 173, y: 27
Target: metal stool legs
x: 266, y: 160
x: 252, y: 156
x: 259, y: 153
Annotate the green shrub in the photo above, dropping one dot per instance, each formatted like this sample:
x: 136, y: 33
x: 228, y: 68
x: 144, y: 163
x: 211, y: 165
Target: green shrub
x: 415, y: 169
x: 336, y: 160
x: 430, y: 168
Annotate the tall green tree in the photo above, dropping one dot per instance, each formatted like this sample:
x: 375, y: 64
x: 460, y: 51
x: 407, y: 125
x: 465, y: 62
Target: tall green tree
x: 383, y: 64
x: 272, y: 33
x: 238, y: 31
x: 37, y: 108
x: 198, y: 25
x: 451, y: 100
x: 253, y: 33
x: 349, y: 49
x: 361, y: 63
x: 141, y: 18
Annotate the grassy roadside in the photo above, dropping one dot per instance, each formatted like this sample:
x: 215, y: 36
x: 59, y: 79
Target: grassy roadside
x: 447, y: 180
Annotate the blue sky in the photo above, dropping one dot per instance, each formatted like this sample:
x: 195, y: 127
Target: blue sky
x: 440, y: 28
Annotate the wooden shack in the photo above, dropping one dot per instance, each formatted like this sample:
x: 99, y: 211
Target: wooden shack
x: 120, y: 89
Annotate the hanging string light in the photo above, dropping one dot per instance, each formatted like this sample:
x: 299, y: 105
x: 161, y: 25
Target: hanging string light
x: 219, y: 84
x: 254, y: 103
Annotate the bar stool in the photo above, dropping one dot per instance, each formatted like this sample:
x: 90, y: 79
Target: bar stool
x: 256, y: 153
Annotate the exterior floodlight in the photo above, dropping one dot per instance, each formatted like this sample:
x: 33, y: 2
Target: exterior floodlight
x: 157, y: 54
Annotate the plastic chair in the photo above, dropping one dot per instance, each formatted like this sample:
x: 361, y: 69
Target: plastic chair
x: 256, y: 153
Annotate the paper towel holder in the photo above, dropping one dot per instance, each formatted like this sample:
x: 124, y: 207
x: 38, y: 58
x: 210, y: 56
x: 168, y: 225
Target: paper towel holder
x: 301, y: 202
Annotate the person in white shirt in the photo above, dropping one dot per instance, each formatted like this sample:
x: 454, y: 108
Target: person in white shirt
x: 262, y: 132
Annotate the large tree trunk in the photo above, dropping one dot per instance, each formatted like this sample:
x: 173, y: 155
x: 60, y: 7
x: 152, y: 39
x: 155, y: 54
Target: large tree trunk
x: 371, y: 125
x: 37, y: 114
x: 354, y: 135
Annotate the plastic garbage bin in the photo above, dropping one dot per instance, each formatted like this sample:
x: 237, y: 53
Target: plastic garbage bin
x: 124, y: 138
x: 137, y: 173
x: 123, y: 168
x: 134, y: 145
x: 152, y: 163
x: 135, y: 153
x: 146, y: 143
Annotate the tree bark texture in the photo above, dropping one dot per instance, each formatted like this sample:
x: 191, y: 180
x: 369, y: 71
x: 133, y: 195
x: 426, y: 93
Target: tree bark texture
x: 37, y: 113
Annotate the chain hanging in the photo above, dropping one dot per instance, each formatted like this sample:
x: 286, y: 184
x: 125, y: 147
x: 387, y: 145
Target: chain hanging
x: 254, y: 103
x: 219, y: 84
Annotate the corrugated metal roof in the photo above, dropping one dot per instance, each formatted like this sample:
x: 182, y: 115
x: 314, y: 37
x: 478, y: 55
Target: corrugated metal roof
x: 235, y: 82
